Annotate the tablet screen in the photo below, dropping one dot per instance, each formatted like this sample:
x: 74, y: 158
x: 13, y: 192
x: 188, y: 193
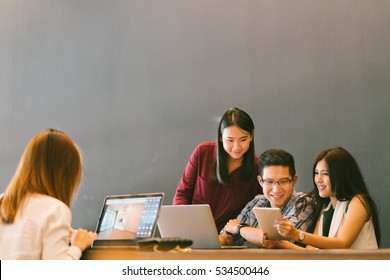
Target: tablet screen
x: 266, y: 217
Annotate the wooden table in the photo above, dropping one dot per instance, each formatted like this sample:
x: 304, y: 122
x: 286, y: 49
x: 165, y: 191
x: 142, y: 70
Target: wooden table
x: 237, y: 254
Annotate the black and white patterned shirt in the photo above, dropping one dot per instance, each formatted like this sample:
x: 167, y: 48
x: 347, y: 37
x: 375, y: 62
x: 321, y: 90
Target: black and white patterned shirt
x: 298, y: 210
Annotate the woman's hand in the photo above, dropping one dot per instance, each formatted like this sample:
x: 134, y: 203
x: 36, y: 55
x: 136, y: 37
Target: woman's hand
x: 82, y: 238
x: 286, y: 229
x: 269, y: 244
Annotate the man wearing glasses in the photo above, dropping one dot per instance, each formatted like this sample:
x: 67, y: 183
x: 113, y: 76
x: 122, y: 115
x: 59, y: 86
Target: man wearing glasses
x: 277, y: 177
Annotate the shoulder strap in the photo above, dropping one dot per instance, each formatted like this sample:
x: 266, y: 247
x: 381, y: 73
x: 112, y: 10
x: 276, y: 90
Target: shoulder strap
x: 346, y: 208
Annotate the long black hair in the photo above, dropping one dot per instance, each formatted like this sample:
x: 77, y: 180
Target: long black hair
x: 346, y: 182
x: 241, y: 119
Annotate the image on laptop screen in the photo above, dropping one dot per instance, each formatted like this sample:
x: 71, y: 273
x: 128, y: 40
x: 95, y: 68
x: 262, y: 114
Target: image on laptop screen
x: 129, y: 217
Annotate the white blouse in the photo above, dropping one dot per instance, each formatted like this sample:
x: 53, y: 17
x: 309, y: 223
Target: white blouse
x: 40, y: 231
x: 366, y: 238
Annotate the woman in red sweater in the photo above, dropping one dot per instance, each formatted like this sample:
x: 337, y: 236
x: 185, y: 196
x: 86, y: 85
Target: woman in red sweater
x: 223, y: 173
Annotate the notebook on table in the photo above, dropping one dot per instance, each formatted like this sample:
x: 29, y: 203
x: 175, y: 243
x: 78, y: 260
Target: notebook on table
x: 193, y: 222
x: 125, y: 220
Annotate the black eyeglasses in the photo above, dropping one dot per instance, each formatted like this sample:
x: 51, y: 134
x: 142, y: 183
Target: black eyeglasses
x: 281, y: 183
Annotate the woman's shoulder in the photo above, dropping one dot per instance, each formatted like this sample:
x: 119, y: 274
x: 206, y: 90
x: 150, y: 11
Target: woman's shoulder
x: 206, y: 147
x: 357, y: 203
x: 41, y: 208
x: 46, y: 202
x: 358, y: 200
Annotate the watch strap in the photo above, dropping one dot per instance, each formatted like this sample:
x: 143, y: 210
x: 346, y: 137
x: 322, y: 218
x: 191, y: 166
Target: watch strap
x: 239, y: 227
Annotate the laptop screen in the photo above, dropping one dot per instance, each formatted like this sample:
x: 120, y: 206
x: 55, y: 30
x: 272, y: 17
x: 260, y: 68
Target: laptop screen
x: 128, y: 217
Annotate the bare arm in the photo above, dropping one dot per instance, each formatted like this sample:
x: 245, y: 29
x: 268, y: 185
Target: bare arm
x: 252, y: 235
x: 355, y: 219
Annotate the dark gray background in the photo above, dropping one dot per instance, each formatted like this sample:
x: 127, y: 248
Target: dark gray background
x: 138, y: 84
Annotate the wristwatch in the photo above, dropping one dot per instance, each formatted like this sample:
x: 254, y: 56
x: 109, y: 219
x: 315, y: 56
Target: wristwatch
x: 301, y: 236
x: 239, y: 228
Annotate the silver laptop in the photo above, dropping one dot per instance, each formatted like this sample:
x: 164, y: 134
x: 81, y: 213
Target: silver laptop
x: 193, y: 222
x: 126, y: 219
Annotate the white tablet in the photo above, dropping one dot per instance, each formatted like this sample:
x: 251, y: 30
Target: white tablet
x: 266, y: 217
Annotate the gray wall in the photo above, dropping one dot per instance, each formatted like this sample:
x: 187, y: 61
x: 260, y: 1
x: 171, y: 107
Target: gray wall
x: 138, y: 84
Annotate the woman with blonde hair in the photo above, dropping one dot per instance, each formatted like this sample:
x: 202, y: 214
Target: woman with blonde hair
x: 35, y: 215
